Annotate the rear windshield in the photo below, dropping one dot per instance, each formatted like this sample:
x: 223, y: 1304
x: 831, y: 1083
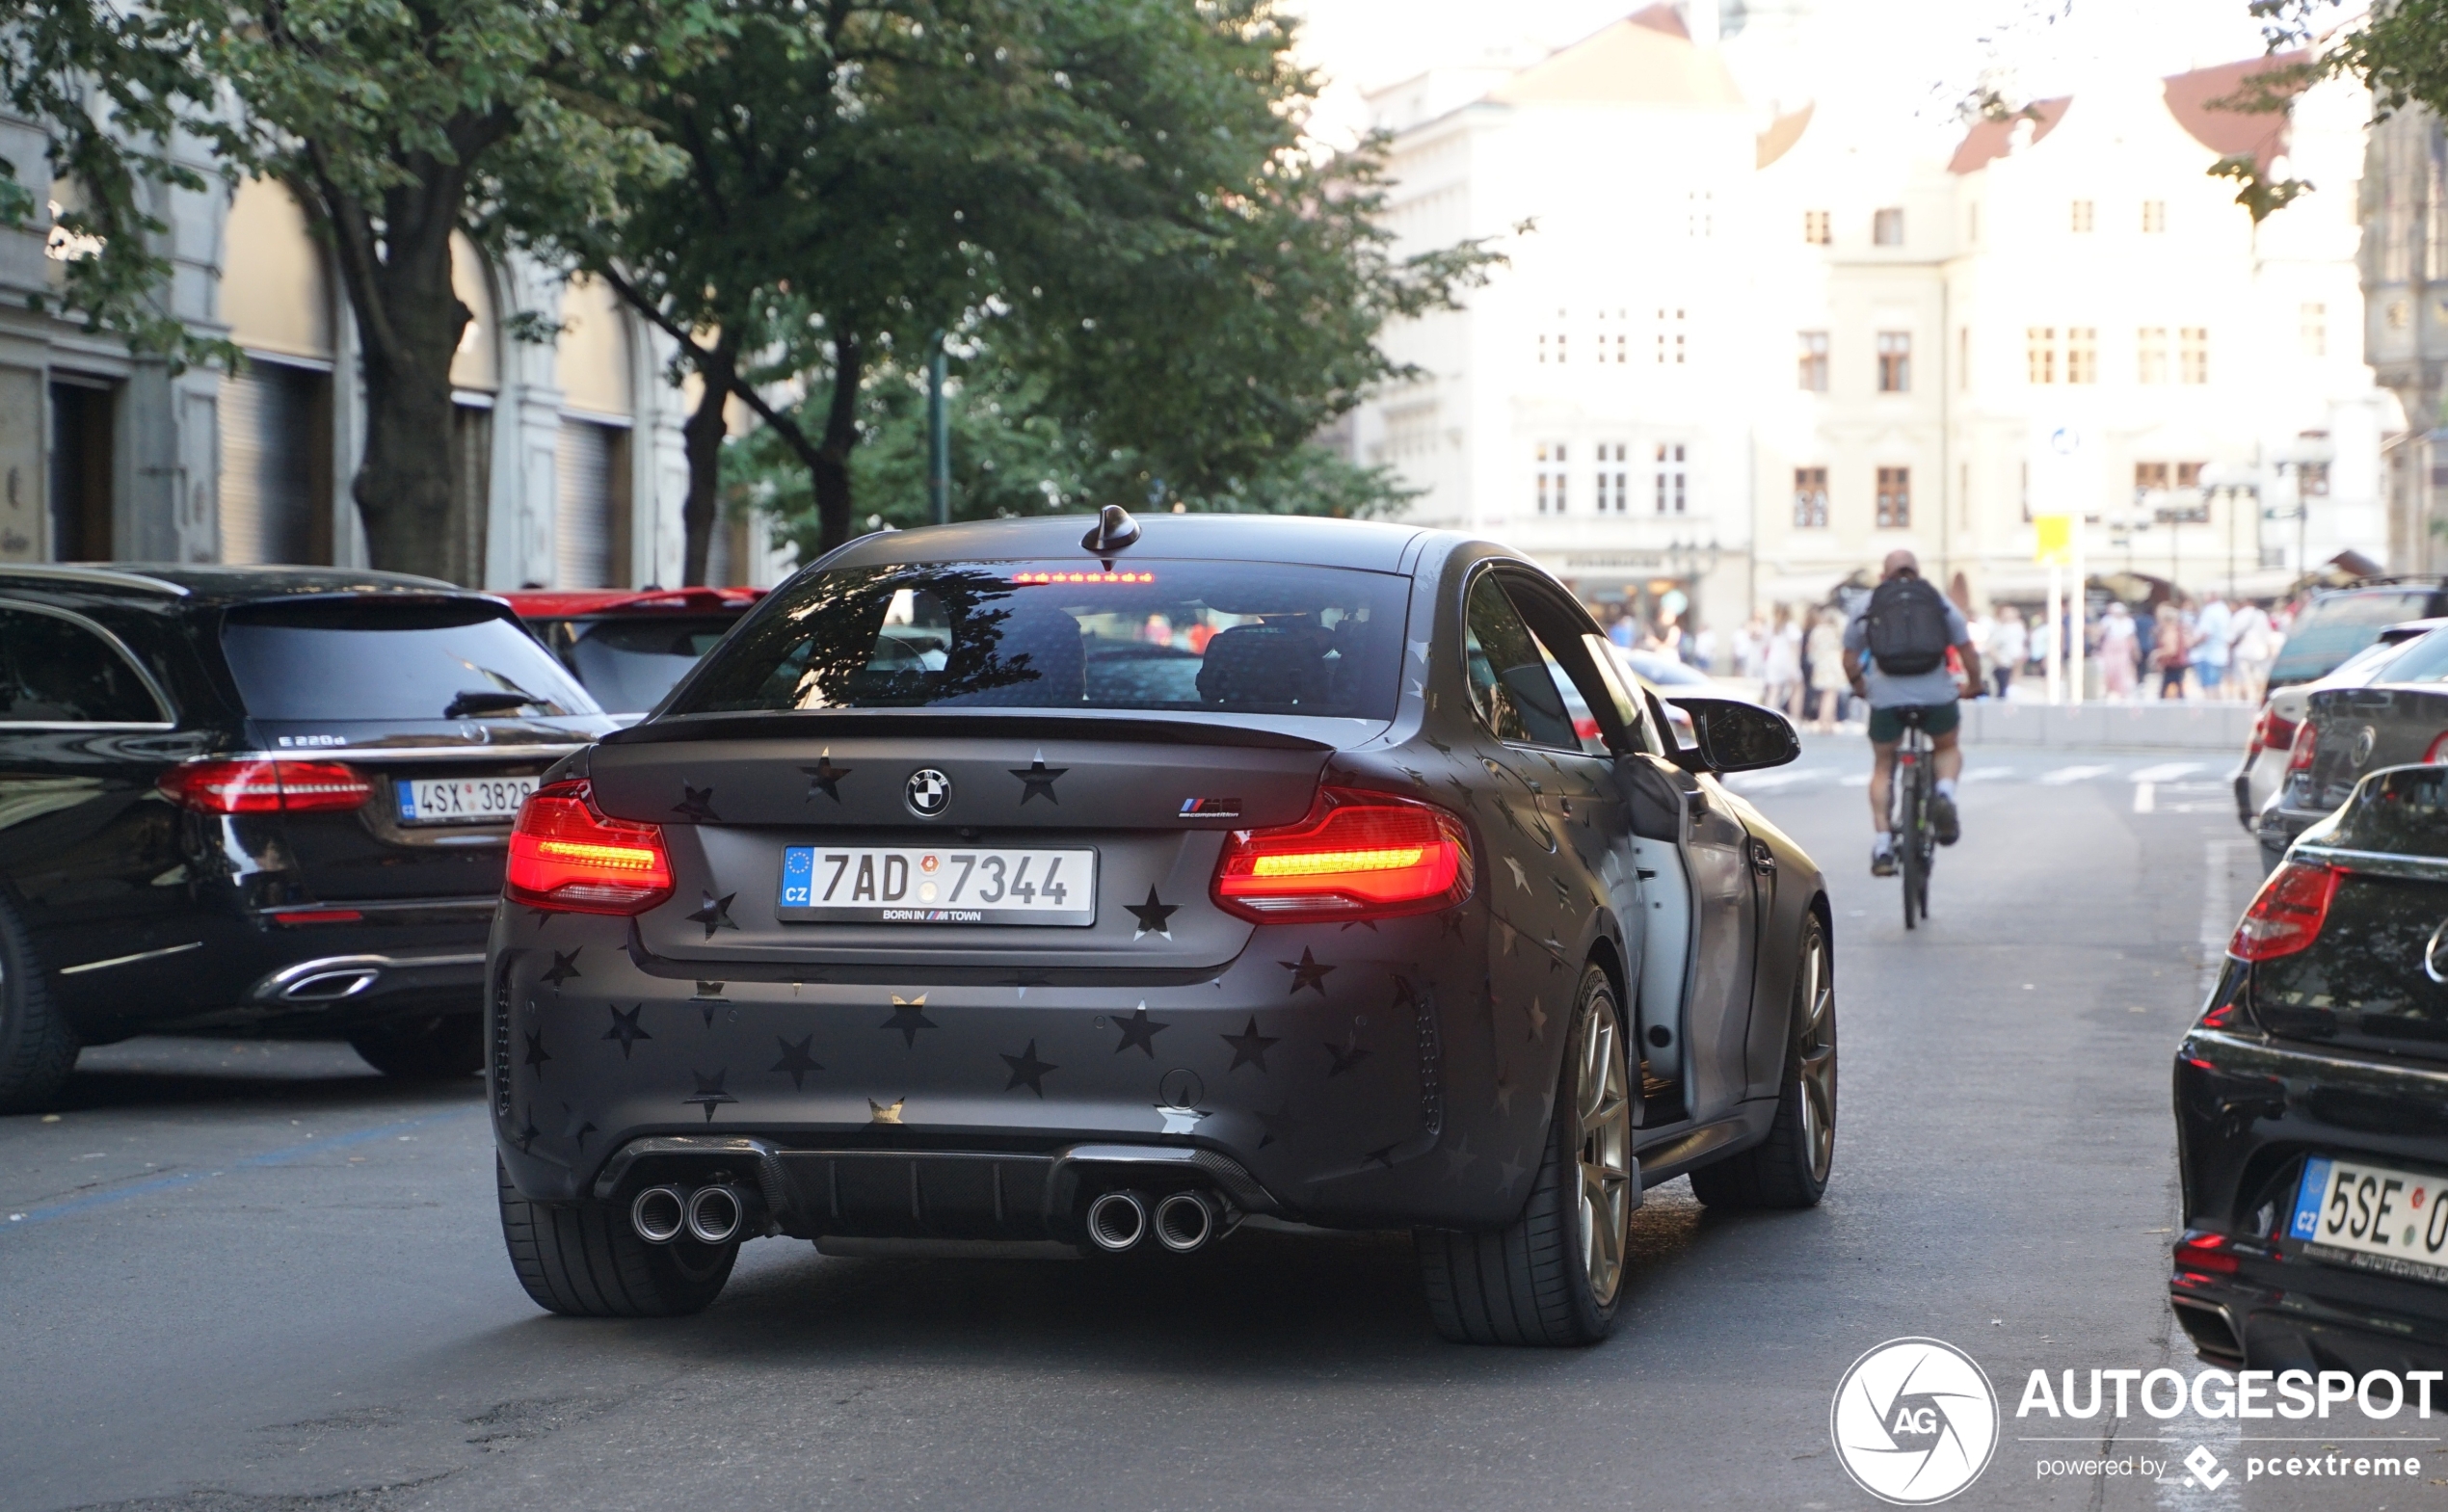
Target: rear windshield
x: 374, y: 660
x: 628, y: 665
x: 2422, y: 659
x: 2363, y: 980
x: 2337, y: 626
x: 1242, y: 637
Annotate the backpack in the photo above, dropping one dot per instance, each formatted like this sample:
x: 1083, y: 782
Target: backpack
x: 1906, y: 628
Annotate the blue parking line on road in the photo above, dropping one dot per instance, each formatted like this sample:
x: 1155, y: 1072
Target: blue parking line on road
x: 48, y: 1213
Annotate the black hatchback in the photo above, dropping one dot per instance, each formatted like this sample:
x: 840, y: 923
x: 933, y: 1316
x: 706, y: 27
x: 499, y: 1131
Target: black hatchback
x: 268, y: 800
x: 2312, y: 1102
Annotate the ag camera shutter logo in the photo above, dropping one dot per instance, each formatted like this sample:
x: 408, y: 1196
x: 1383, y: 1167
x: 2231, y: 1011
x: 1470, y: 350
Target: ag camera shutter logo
x: 1914, y: 1421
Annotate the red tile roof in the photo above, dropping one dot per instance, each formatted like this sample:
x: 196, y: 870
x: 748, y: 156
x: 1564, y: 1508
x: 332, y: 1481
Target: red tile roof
x: 2231, y: 133
x: 1988, y: 140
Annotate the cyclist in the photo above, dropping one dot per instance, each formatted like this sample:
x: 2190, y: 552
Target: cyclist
x: 1896, y: 658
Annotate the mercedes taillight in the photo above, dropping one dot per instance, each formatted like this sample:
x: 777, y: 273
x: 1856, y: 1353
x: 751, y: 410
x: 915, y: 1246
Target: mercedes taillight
x: 262, y: 786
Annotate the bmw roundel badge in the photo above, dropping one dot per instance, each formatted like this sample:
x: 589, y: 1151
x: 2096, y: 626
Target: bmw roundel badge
x: 928, y: 792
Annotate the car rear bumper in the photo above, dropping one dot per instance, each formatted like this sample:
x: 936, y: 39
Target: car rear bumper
x: 2248, y: 1111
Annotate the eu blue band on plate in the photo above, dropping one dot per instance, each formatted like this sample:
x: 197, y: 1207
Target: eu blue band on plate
x: 2307, y: 1199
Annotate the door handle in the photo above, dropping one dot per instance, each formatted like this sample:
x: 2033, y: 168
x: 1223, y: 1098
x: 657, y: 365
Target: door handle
x: 1763, y: 859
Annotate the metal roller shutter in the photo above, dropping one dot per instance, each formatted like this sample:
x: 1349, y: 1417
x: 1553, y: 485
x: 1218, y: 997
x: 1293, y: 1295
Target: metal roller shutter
x: 268, y: 447
x: 582, y: 522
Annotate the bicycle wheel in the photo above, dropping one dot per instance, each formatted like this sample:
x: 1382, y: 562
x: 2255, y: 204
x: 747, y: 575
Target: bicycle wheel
x: 1911, y: 860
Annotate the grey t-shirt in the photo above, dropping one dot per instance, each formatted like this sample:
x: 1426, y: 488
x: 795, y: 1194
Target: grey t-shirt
x: 1927, y: 688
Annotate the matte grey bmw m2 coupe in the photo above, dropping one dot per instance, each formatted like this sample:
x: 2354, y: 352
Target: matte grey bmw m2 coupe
x: 994, y: 888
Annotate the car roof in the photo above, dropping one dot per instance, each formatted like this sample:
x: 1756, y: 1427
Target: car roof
x: 580, y: 603
x: 1312, y: 539
x: 208, y: 585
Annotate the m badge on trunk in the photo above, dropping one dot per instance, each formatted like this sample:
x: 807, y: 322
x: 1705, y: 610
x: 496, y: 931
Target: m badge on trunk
x: 928, y: 792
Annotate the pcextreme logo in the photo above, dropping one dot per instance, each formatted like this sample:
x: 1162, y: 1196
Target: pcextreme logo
x: 1914, y: 1421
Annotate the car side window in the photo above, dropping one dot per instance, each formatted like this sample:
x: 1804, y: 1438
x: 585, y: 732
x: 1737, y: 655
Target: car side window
x: 1513, y: 684
x: 56, y: 671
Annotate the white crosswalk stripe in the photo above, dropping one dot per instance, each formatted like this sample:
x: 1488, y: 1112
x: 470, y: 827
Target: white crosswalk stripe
x: 2165, y: 772
x: 2073, y: 774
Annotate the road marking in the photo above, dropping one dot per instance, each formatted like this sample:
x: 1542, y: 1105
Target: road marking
x: 1855, y: 780
x: 2072, y: 773
x: 45, y: 1212
x: 2166, y: 772
x: 1987, y: 774
x: 2145, y: 797
x: 1762, y: 782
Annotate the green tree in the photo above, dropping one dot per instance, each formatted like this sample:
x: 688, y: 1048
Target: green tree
x: 395, y: 123
x: 1110, y: 194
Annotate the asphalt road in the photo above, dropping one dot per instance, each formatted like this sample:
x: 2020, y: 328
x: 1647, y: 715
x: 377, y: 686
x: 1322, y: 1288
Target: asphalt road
x: 260, y: 1277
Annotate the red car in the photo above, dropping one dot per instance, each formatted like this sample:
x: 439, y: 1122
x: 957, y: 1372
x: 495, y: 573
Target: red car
x: 628, y: 646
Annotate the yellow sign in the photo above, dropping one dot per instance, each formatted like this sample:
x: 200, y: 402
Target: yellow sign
x: 2053, y: 540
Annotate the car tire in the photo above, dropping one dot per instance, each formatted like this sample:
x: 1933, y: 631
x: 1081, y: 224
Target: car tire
x: 38, y: 1047
x: 1531, y: 1281
x: 580, y: 1259
x: 1791, y: 1167
x: 441, y: 1047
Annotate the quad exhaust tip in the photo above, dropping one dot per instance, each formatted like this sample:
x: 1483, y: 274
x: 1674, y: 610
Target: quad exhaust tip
x: 1185, y: 1222
x: 715, y: 1215
x: 659, y: 1214
x: 1117, y: 1221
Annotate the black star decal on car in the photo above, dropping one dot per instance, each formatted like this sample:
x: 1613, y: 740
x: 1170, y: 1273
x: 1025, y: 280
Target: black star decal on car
x: 1346, y: 1055
x: 1406, y: 998
x: 1458, y: 1159
x: 564, y: 967
x: 714, y: 912
x: 1451, y: 924
x: 1306, y: 972
x: 825, y: 778
x: 1140, y: 1030
x: 1038, y: 777
x: 1277, y: 1123
x: 1155, y: 915
x: 796, y: 1062
x: 1537, y: 1017
x: 537, y: 1054
x: 574, y: 1127
x: 527, y: 1134
x: 624, y: 1027
x: 710, y: 1094
x: 1028, y: 1070
x: 909, y: 1016
x: 1249, y: 1046
x: 1504, y: 1089
x: 1383, y: 1155
x: 542, y: 915
x: 697, y: 804
x: 1513, y: 1170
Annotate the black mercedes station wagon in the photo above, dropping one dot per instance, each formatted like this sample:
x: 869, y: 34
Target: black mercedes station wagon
x: 2312, y: 1102
x: 992, y: 889
x: 267, y: 800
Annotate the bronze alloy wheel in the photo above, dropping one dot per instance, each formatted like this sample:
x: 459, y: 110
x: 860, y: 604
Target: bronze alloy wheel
x: 1817, y: 1056
x: 1604, y: 1110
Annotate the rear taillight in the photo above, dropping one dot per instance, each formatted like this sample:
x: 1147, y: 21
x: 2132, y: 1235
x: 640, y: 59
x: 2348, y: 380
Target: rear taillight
x: 565, y: 854
x: 264, y: 786
x: 2273, y: 732
x: 1357, y: 855
x: 2287, y: 913
x: 2206, y: 1251
x: 2301, y: 748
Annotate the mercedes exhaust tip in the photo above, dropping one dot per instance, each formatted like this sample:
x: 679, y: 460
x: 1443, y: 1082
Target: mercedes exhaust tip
x: 659, y: 1214
x: 1117, y: 1221
x: 1185, y: 1222
x: 715, y: 1215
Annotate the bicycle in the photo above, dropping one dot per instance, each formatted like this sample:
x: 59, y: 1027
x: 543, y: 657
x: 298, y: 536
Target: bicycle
x: 1916, y: 842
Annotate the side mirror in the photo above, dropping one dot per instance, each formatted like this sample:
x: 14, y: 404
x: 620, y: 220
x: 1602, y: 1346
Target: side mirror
x: 1735, y: 736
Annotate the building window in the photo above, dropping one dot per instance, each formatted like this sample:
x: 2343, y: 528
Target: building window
x: 1551, y: 346
x: 1810, y: 498
x: 1895, y: 498
x: 2149, y: 477
x: 2194, y: 354
x: 2150, y: 345
x: 1887, y: 228
x: 2082, y: 354
x: 2188, y: 474
x: 2315, y: 330
x: 1670, y: 337
x: 1815, y: 228
x: 2314, y: 479
x: 1613, y: 480
x: 2082, y: 216
x: 1550, y: 477
x: 1700, y: 217
x: 2040, y: 354
x: 1814, y: 360
x: 1895, y: 361
x: 2154, y: 218
x: 1671, y: 478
